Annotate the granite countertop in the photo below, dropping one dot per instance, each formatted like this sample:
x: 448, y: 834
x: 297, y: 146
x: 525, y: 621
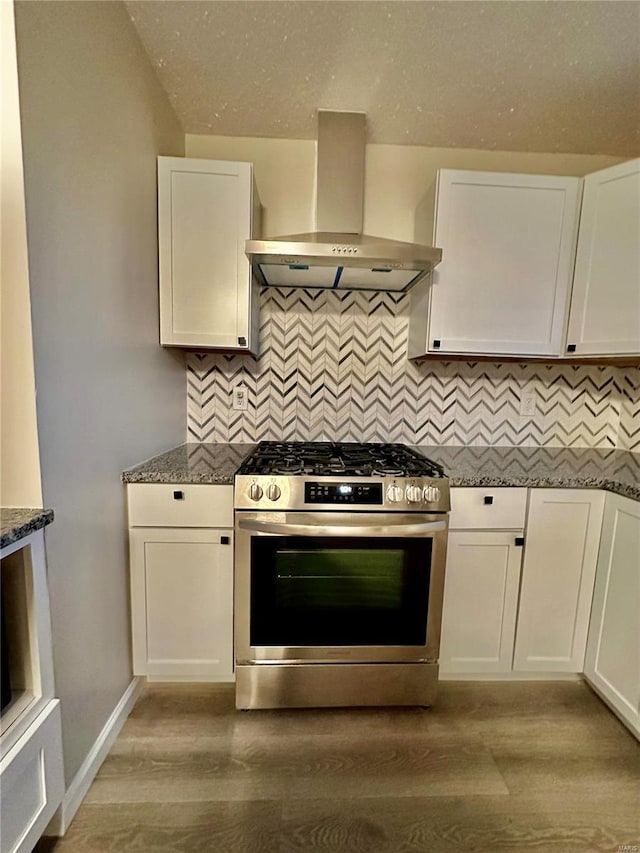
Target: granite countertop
x: 18, y: 522
x: 191, y: 463
x: 553, y: 467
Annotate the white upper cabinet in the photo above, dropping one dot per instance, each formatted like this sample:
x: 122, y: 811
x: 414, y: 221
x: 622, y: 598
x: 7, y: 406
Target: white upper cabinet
x: 206, y: 211
x: 503, y: 285
x: 605, y: 304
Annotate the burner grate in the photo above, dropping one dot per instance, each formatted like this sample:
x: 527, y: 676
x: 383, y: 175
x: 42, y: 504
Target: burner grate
x: 339, y: 458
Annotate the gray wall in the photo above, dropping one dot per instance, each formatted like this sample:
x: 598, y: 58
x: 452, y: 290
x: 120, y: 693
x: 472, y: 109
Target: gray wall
x: 94, y: 119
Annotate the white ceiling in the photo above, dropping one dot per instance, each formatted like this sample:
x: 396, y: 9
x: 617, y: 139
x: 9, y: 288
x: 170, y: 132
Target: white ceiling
x: 518, y: 75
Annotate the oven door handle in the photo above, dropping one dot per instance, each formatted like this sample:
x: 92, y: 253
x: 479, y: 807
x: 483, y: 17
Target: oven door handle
x: 286, y: 529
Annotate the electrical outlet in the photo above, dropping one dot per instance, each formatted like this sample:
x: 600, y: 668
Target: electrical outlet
x: 240, y: 399
x: 528, y: 404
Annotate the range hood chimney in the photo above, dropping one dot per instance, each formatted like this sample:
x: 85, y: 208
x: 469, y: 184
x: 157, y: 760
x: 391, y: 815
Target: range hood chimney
x: 338, y: 255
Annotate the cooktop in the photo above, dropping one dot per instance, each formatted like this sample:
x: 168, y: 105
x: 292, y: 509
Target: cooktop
x: 330, y: 458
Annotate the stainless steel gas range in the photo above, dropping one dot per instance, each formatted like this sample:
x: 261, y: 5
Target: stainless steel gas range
x: 339, y: 575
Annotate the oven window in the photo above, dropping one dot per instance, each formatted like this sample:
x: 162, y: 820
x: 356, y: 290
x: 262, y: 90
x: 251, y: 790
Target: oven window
x: 338, y: 591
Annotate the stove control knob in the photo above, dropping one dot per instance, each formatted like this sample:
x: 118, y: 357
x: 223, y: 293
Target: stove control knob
x: 431, y: 494
x: 413, y: 494
x: 273, y: 492
x: 255, y: 492
x: 394, y: 494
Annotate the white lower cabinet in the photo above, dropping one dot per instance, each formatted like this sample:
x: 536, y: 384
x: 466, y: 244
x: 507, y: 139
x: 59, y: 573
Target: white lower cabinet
x: 480, y: 600
x: 482, y: 578
x: 32, y: 782
x: 31, y: 762
x: 181, y: 582
x: 561, y: 551
x: 514, y: 612
x: 182, y: 602
x: 612, y: 662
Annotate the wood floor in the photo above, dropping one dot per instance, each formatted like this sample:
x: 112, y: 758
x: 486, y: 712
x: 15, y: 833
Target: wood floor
x: 497, y: 767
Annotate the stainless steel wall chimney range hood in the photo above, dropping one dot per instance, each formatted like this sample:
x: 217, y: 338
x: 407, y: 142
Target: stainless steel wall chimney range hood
x: 338, y: 255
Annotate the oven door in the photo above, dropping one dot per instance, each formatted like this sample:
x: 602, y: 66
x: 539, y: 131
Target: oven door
x: 339, y: 587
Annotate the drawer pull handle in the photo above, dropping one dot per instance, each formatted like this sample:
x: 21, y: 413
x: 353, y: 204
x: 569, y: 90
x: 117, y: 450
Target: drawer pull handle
x: 178, y: 496
x: 224, y: 540
x: 488, y: 499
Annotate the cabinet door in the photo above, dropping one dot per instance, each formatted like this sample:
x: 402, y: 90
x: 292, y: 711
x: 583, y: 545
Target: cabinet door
x: 612, y: 662
x: 563, y: 533
x: 605, y: 304
x: 507, y: 245
x: 480, y: 600
x: 182, y: 602
x: 205, y: 214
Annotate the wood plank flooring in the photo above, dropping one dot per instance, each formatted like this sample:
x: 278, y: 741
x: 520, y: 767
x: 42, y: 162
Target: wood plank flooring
x: 498, y: 767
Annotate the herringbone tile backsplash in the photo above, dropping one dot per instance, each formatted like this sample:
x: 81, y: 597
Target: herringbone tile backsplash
x: 629, y: 429
x: 333, y: 366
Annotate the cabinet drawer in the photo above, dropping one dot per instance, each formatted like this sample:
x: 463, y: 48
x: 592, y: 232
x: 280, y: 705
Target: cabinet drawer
x: 488, y: 508
x: 180, y: 505
x: 32, y: 782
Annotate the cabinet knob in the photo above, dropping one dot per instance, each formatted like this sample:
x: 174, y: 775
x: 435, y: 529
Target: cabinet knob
x: 488, y: 499
x: 242, y: 342
x: 178, y: 495
x: 519, y: 540
x: 224, y: 540
x: 436, y: 344
x: 571, y: 347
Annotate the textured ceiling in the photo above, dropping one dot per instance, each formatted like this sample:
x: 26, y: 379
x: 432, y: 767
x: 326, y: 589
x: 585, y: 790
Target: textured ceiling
x: 521, y: 75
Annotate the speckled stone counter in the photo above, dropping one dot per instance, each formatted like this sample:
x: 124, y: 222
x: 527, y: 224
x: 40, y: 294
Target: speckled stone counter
x: 191, y: 463
x: 18, y: 522
x: 552, y: 467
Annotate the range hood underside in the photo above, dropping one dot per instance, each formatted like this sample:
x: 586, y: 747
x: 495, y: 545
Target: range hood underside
x: 339, y: 261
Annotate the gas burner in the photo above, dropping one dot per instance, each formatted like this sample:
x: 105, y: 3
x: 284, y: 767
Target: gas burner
x: 382, y: 470
x: 287, y: 466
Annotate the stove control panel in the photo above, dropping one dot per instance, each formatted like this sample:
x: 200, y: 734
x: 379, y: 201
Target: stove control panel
x: 343, y: 493
x: 394, y: 494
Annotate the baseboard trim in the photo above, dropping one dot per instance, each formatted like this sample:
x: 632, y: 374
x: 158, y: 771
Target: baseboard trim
x: 77, y: 790
x: 624, y: 718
